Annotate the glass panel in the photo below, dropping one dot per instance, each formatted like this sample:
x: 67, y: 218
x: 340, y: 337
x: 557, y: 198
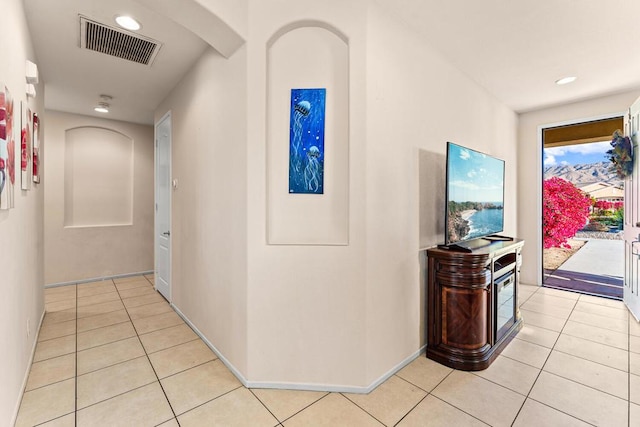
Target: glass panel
x: 505, y: 304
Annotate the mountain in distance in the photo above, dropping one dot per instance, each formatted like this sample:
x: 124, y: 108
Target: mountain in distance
x: 582, y: 174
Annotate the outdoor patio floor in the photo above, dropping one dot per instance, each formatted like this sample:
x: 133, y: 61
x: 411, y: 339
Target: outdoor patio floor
x: 596, y: 269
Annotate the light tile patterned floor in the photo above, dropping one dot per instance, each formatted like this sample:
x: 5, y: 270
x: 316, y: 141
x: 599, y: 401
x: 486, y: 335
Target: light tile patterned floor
x: 114, y: 353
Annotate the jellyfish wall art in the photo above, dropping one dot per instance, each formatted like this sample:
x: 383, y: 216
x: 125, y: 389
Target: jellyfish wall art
x: 306, y: 141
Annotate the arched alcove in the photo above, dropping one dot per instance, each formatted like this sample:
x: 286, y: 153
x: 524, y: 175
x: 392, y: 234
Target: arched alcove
x: 98, y: 177
x: 306, y: 55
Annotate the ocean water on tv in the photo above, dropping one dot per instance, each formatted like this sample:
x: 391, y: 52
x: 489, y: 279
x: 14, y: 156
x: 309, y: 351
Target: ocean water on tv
x: 484, y: 222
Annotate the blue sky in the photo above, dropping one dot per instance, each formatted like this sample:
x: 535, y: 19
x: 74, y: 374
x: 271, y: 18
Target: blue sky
x: 474, y: 177
x: 576, y: 154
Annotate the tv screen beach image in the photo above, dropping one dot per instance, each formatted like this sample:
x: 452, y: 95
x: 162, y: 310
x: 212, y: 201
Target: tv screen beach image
x: 475, y: 194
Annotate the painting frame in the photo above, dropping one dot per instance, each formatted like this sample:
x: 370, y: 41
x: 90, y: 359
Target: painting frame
x: 307, y: 140
x: 36, y: 157
x: 7, y: 149
x: 25, y: 147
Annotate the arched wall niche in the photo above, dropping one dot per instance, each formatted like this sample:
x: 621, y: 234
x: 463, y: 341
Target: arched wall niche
x: 304, y: 55
x: 98, y: 177
x: 306, y: 24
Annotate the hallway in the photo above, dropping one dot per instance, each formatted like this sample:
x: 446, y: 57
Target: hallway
x: 115, y: 353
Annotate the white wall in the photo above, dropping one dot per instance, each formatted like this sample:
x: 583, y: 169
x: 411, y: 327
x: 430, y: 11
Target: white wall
x: 93, y: 251
x: 347, y: 315
x: 98, y: 180
x: 307, y: 303
x: 322, y: 62
x: 530, y: 168
x: 209, y: 207
x: 313, y: 315
x: 416, y: 102
x: 21, y: 228
x: 233, y: 12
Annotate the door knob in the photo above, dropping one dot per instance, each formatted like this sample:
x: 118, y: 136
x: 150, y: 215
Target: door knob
x: 166, y: 233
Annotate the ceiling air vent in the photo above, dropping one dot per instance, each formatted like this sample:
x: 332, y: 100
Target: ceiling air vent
x: 116, y: 42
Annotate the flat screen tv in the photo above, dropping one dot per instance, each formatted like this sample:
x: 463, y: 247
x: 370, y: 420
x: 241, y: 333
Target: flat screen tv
x: 475, y: 195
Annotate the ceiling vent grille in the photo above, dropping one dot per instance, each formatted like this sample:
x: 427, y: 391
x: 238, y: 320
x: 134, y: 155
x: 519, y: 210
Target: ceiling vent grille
x: 116, y: 42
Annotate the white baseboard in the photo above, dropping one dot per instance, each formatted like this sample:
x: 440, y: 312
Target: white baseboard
x: 26, y: 374
x: 299, y: 386
x: 97, y: 279
x: 213, y: 348
x: 339, y: 388
x: 396, y: 368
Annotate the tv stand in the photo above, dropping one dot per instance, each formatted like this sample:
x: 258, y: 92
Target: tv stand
x: 472, y: 310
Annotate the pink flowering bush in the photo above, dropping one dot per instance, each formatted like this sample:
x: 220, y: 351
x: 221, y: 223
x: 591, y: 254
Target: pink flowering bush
x: 604, y: 205
x: 565, y: 210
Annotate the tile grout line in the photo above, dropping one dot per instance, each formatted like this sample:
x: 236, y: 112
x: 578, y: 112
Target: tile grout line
x: 296, y: 413
x: 545, y: 361
x: 412, y: 408
x: 113, y: 364
x: 56, y: 382
x: 537, y: 376
x: 113, y: 311
x: 211, y: 400
x: 585, y: 385
x: 118, y: 395
x: 107, y: 343
x: 267, y: 408
x: 459, y: 409
x: 419, y: 402
x: 105, y: 326
x: 76, y: 378
x: 187, y: 369
x: 430, y: 393
x: 175, y: 416
x: 598, y: 342
x: 361, y: 408
x: 137, y: 357
x: 592, y: 361
x: 594, y: 326
x: 553, y: 348
x: 562, y: 412
x: 159, y: 329
x: 542, y: 369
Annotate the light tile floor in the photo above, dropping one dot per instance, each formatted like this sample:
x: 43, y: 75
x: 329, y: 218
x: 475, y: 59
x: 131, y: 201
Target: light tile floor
x: 114, y: 353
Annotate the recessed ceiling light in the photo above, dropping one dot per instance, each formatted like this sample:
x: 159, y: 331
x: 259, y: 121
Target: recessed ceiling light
x: 128, y: 22
x: 566, y: 80
x: 102, y: 107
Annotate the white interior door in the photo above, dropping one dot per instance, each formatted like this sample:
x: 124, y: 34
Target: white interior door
x: 163, y: 207
x: 632, y: 218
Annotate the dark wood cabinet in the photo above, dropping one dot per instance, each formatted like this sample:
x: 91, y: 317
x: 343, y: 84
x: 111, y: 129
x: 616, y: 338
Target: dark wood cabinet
x: 472, y: 310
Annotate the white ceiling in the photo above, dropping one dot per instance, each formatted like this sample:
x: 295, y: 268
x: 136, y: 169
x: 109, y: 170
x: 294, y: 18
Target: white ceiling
x: 75, y: 78
x: 516, y: 49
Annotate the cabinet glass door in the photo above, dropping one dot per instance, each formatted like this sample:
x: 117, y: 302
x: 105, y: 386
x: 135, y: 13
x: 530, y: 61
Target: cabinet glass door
x: 505, y: 304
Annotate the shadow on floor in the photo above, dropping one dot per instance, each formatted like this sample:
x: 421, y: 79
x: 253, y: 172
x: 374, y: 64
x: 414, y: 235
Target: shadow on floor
x: 606, y: 286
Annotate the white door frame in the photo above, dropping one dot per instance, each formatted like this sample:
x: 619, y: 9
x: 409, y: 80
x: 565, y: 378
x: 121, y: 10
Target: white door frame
x: 156, y: 231
x: 631, y: 296
x: 540, y: 169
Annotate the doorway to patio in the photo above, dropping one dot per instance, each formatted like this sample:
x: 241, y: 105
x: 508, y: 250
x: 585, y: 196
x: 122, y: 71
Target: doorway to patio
x: 583, y: 246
